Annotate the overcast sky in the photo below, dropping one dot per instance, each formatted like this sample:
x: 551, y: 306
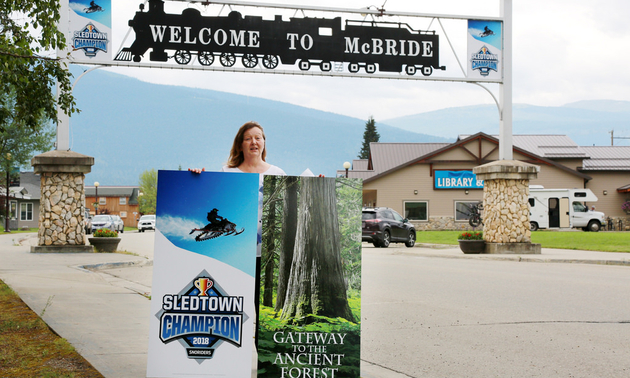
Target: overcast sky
x: 564, y: 51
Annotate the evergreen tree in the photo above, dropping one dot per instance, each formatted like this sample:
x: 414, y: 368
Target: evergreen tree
x: 370, y: 135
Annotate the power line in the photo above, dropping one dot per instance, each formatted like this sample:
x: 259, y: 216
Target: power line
x: 613, y: 137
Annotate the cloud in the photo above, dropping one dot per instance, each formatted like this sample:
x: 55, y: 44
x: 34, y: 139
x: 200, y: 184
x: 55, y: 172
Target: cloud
x: 79, y: 7
x: 564, y: 51
x: 176, y: 227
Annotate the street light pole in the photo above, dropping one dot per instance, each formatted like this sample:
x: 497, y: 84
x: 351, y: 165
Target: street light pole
x: 347, y: 166
x: 6, y: 219
x: 96, y: 184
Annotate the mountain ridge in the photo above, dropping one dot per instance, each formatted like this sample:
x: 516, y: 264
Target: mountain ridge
x: 129, y: 126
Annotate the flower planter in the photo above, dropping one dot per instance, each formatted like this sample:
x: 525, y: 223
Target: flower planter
x: 104, y: 244
x: 472, y: 246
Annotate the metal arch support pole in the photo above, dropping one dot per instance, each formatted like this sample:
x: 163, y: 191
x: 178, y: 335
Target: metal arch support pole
x: 83, y: 74
x: 494, y: 98
x: 63, y: 119
x: 505, y: 89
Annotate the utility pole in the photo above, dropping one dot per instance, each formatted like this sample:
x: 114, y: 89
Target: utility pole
x: 612, y: 133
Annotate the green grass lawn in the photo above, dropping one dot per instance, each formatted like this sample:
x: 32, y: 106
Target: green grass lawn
x: 20, y: 231
x: 590, y: 241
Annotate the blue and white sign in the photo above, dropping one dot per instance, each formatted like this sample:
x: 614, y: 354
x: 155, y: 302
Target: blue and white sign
x: 91, y: 30
x: 204, y: 268
x: 456, y: 180
x: 484, y: 49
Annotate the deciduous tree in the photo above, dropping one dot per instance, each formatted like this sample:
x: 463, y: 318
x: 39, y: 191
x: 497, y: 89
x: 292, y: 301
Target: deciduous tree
x: 148, y: 190
x: 29, y: 68
x: 18, y: 146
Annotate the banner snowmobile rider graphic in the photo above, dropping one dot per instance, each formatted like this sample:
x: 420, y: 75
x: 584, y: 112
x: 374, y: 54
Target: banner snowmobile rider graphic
x: 218, y: 226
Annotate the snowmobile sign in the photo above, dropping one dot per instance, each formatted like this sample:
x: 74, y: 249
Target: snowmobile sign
x: 310, y: 42
x: 202, y: 307
x: 91, y: 29
x: 485, y: 49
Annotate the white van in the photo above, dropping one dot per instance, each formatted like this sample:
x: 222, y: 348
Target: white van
x: 563, y: 208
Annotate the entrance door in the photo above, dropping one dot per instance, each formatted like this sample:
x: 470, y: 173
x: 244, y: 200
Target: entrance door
x: 564, y: 213
x: 554, y: 212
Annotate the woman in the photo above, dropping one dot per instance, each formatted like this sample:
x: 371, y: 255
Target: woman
x: 248, y: 155
x: 248, y: 152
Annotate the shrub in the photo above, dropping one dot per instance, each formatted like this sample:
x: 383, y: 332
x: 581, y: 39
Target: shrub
x: 105, y: 233
x: 471, y: 236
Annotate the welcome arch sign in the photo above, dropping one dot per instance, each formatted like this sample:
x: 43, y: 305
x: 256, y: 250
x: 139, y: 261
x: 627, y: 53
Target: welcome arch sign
x: 240, y: 36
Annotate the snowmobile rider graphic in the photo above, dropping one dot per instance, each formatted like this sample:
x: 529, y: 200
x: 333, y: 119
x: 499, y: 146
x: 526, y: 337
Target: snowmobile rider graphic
x: 93, y: 8
x: 214, y: 218
x: 218, y: 226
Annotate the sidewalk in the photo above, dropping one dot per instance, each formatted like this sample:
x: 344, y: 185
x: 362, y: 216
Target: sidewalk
x: 99, y: 302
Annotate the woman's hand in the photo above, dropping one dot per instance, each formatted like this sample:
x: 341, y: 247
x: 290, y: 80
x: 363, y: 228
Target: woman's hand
x: 196, y: 170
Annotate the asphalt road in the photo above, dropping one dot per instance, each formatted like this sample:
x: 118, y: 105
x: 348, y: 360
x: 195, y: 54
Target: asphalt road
x: 425, y: 312
x: 433, y: 317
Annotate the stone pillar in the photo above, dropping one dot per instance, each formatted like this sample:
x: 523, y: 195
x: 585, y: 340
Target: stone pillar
x: 506, y: 206
x: 62, y: 203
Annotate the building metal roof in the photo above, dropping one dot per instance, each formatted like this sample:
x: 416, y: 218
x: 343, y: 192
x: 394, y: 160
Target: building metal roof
x: 30, y: 187
x: 547, y: 146
x: 392, y: 155
x: 32, y: 183
x: 356, y: 174
x: 110, y: 191
x: 388, y: 157
x: 359, y: 164
x: 607, y: 158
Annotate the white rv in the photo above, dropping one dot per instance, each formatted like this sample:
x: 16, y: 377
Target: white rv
x: 563, y: 208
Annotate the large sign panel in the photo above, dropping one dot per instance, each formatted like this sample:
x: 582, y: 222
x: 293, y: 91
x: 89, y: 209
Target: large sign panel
x: 485, y: 49
x: 456, y: 180
x: 202, y: 307
x: 309, y: 42
x: 310, y: 303
x: 91, y: 30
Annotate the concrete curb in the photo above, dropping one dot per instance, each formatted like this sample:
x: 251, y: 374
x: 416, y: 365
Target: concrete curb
x: 519, y: 258
x: 522, y: 259
x: 115, y: 265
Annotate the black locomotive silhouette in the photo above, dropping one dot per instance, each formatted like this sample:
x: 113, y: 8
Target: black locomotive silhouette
x: 382, y: 46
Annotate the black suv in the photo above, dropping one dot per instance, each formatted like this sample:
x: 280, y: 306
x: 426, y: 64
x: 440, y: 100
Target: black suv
x: 382, y: 226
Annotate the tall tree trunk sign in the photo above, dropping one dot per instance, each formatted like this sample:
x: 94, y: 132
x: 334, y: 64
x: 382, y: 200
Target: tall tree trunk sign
x: 313, y: 327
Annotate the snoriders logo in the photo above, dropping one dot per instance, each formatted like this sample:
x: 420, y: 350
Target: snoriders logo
x: 90, y: 40
x: 201, y: 317
x: 484, y: 61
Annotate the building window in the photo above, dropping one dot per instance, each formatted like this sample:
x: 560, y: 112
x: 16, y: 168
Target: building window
x: 26, y: 211
x: 417, y: 211
x: 123, y: 214
x: 102, y: 200
x: 13, y: 209
x: 122, y: 201
x: 463, y: 210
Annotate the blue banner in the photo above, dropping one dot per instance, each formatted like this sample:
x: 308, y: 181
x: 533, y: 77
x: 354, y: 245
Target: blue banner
x: 204, y: 270
x: 456, y: 180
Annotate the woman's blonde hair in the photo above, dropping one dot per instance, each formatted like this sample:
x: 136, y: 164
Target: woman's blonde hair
x: 236, y: 154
